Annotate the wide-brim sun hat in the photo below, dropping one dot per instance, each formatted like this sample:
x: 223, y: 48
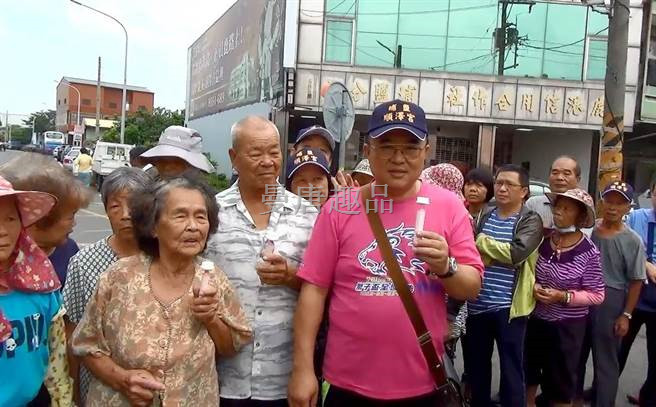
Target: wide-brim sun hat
x: 363, y: 167
x: 183, y: 143
x: 32, y: 205
x: 579, y: 195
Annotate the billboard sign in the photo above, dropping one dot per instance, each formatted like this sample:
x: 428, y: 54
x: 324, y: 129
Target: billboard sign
x: 239, y: 59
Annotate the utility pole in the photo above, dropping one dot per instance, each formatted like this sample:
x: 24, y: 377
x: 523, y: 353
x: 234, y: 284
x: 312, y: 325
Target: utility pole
x: 612, y: 132
x: 501, y: 38
x: 98, y: 104
x: 8, y: 127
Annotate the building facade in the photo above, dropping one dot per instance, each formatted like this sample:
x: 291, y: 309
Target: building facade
x: 111, y: 95
x: 544, y: 99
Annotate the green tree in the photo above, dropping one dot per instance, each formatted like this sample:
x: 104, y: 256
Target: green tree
x: 144, y: 127
x: 44, y: 120
x: 22, y: 134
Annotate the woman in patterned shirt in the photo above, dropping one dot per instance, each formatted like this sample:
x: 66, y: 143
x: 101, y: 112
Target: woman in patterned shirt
x: 88, y: 264
x: 156, y: 321
x: 568, y: 280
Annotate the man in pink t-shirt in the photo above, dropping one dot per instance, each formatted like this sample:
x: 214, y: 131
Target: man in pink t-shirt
x: 372, y: 354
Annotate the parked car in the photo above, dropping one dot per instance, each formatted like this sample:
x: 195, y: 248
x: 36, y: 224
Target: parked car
x: 107, y: 157
x: 70, y: 157
x: 63, y: 150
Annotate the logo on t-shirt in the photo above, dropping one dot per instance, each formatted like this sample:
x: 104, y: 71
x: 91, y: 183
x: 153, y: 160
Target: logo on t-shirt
x: 400, y: 238
x: 27, y: 332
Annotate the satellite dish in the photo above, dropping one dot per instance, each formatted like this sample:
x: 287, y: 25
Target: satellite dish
x: 339, y: 116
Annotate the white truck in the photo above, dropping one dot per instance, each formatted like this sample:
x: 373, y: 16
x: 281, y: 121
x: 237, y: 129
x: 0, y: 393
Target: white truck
x: 107, y: 157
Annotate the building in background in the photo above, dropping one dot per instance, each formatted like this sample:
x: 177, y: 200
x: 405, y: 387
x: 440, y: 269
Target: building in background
x: 546, y: 98
x: 110, y: 104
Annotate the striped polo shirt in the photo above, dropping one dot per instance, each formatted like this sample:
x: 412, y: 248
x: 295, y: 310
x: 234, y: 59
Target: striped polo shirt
x: 576, y: 269
x: 496, y: 292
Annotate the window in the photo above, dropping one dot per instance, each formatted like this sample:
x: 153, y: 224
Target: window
x: 448, y: 149
x: 64, y: 100
x: 112, y: 105
x: 142, y: 107
x: 86, y: 102
x: 543, y: 39
x: 339, y: 41
x: 58, y: 102
x: 597, y: 47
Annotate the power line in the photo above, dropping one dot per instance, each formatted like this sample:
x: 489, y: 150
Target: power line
x: 564, y: 45
x: 387, y: 62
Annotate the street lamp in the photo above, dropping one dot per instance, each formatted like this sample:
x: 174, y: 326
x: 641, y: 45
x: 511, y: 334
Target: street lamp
x: 125, y: 64
x: 78, y: 98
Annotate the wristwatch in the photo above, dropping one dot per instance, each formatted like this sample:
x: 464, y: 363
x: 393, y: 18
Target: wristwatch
x: 627, y: 315
x: 450, y: 270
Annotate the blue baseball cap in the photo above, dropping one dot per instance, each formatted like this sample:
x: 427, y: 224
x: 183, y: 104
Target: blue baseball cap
x: 621, y: 188
x: 307, y: 156
x: 398, y: 115
x: 318, y: 130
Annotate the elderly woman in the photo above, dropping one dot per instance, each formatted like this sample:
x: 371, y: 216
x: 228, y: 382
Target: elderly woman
x: 151, y: 330
x: 86, y: 266
x: 308, y: 175
x: 32, y: 338
x: 568, y: 281
x: 36, y: 172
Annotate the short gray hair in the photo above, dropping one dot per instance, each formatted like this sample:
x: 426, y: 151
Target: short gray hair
x: 236, y: 128
x: 123, y: 179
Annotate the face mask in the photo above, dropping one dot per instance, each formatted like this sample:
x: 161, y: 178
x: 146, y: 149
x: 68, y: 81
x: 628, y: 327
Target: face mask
x: 569, y: 229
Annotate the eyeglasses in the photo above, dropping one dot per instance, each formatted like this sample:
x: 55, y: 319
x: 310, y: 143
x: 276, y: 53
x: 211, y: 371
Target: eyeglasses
x: 409, y: 151
x: 499, y: 184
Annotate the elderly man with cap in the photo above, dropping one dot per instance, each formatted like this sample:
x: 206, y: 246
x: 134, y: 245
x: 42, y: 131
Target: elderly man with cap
x: 178, y: 149
x: 343, y: 267
x: 623, y: 265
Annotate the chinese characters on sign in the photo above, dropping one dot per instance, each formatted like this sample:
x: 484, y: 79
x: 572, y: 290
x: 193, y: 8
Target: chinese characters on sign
x: 574, y: 105
x: 598, y: 107
x: 407, y: 93
x: 357, y: 91
x: 527, y: 102
x: 480, y: 99
x: 455, y: 97
x: 476, y: 99
x: 503, y: 103
x: 381, y: 92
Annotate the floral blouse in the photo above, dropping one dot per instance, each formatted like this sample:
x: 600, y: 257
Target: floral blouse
x: 125, y: 321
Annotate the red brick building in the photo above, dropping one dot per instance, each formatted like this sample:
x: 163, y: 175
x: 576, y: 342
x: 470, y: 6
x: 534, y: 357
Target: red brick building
x: 110, y: 101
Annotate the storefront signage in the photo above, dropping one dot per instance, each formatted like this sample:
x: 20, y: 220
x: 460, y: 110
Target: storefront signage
x: 452, y: 98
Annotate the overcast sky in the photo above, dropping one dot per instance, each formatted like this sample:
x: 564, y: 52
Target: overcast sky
x: 43, y: 40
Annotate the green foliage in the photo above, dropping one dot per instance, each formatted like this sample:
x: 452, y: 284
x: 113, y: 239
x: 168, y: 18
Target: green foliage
x: 143, y: 127
x: 23, y: 134
x: 218, y: 181
x: 44, y: 120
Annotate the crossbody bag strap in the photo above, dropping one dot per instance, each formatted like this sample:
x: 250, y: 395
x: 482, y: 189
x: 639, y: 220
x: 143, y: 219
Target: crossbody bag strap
x: 394, y: 272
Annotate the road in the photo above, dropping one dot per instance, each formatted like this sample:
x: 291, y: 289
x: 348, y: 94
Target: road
x: 91, y: 222
x: 92, y: 225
